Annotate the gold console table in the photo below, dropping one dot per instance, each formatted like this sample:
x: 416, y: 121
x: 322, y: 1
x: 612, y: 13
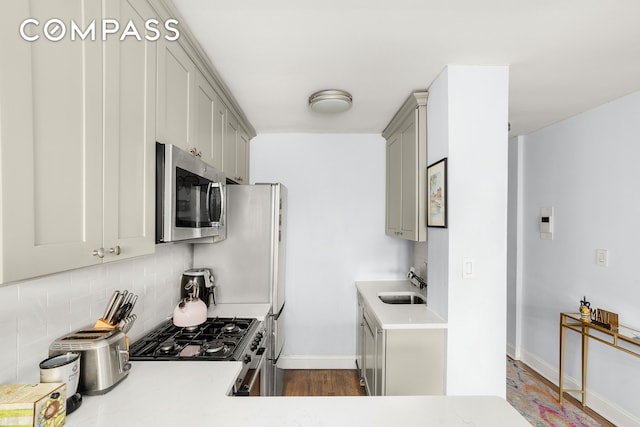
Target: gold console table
x: 624, y: 339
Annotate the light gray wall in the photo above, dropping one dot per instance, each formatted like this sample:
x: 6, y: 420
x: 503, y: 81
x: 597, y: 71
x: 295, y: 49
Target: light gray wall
x: 587, y: 169
x: 437, y: 238
x: 335, y: 234
x: 467, y: 123
x: 514, y: 252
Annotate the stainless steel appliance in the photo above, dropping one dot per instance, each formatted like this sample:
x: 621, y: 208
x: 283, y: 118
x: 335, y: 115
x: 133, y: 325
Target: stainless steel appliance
x: 249, y: 266
x: 190, y: 197
x: 104, y: 358
x: 217, y: 339
x: 204, y: 281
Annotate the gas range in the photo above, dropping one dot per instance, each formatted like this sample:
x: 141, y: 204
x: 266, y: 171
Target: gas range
x: 217, y: 339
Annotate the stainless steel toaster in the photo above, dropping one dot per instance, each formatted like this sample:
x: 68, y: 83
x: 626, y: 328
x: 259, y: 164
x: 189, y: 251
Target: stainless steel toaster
x: 104, y: 357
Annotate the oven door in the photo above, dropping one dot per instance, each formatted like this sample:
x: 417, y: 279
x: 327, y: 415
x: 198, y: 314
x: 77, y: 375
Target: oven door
x: 248, y: 384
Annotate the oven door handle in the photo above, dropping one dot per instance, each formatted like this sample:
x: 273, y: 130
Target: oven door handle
x: 256, y: 373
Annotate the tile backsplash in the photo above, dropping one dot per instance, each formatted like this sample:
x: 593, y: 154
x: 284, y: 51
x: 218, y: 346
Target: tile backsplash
x: 35, y: 312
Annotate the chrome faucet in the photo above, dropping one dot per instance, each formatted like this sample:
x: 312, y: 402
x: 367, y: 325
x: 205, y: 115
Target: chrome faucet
x: 412, y: 275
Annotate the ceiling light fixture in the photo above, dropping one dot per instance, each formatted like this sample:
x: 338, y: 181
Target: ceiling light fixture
x: 330, y: 101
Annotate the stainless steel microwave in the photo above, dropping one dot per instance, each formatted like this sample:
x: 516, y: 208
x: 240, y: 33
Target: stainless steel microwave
x: 190, y: 197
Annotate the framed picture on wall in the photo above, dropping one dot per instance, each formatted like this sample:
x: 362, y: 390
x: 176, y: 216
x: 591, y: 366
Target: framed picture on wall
x: 437, y: 194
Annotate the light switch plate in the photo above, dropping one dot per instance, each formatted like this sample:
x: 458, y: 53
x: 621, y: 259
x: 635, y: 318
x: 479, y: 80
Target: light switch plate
x: 602, y: 257
x: 468, y: 268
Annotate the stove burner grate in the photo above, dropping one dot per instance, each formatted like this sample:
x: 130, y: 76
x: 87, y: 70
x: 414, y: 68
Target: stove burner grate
x: 168, y: 347
x: 216, y: 339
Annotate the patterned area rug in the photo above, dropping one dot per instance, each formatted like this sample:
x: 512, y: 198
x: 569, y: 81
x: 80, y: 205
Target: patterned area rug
x: 538, y: 403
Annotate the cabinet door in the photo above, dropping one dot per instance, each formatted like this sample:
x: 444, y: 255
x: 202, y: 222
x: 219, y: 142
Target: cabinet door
x: 229, y: 151
x: 208, y: 129
x: 360, y: 339
x: 219, y: 132
x: 380, y: 369
x: 129, y: 137
x: 409, y: 179
x: 414, y: 362
x: 175, y: 102
x: 394, y: 185
x: 51, y: 139
x: 368, y: 359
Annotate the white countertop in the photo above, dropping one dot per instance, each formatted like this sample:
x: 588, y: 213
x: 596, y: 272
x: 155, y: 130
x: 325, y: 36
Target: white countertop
x: 398, y: 316
x: 164, y: 394
x: 259, y: 311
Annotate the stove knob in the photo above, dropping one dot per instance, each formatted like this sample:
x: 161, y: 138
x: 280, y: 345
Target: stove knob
x: 253, y: 347
x: 259, y: 335
x: 246, y: 359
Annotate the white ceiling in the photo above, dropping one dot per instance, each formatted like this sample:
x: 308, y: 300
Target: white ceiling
x: 565, y: 56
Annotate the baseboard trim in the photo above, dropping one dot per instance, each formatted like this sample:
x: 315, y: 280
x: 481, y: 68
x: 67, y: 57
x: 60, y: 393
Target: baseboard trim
x: 596, y: 402
x: 513, y: 352
x: 316, y: 362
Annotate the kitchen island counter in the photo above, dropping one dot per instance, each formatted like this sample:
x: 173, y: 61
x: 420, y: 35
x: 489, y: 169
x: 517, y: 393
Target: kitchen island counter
x: 164, y: 394
x: 398, y: 316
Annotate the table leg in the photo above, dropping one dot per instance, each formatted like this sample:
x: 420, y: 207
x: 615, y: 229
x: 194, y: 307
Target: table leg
x: 561, y: 364
x: 585, y: 344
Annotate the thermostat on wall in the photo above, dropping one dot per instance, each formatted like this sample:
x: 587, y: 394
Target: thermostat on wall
x: 546, y: 223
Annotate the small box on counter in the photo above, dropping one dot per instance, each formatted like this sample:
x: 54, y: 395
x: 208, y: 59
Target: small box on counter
x: 33, y: 405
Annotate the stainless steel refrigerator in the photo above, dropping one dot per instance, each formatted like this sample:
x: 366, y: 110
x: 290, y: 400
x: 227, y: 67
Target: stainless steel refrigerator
x: 249, y: 266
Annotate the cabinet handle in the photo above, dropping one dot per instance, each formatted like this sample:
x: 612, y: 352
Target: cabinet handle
x: 194, y: 152
x: 199, y: 154
x: 98, y: 252
x: 115, y: 251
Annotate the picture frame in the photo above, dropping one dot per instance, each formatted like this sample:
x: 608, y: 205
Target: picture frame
x: 437, y: 194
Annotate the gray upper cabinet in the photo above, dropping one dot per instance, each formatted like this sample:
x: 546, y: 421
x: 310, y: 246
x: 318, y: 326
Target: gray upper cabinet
x: 79, y: 120
x: 77, y: 150
x: 129, y: 137
x: 406, y: 165
x: 210, y: 119
x: 235, y: 162
x: 193, y: 112
x: 176, y: 97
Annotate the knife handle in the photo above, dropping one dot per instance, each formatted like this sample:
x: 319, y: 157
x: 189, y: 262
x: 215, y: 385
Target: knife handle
x: 110, y: 305
x: 114, y: 309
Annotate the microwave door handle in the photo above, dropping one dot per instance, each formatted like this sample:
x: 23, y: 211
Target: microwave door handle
x: 209, y: 206
x: 223, y: 204
x: 209, y: 210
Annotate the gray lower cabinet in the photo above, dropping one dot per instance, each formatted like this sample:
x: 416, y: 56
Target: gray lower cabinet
x: 400, y: 362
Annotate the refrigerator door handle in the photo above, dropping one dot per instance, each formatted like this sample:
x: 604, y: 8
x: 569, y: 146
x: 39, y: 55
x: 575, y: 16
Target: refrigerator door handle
x: 276, y: 316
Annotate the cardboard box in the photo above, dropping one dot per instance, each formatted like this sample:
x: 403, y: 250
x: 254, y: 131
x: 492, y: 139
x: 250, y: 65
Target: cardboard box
x: 33, y: 405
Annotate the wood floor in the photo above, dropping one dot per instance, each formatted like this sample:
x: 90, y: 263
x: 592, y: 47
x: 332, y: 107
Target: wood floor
x: 322, y: 382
